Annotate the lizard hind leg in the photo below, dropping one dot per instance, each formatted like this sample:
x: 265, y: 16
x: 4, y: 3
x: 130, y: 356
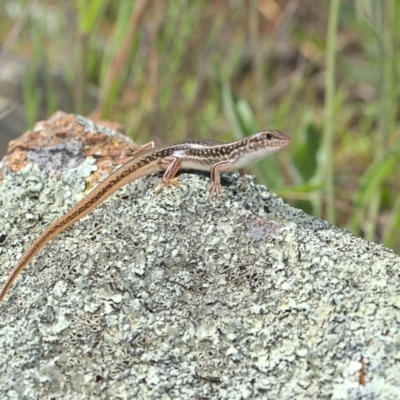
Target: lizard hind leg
x: 171, y: 166
x: 159, y: 186
x: 138, y: 150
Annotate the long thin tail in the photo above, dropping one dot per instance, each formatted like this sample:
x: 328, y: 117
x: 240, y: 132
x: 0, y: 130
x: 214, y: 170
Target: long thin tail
x: 129, y: 172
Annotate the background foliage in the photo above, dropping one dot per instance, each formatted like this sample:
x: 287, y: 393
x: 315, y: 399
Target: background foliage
x: 326, y: 72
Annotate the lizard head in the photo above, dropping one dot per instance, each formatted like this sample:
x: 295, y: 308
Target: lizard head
x: 259, y: 146
x: 269, y: 140
x: 265, y: 143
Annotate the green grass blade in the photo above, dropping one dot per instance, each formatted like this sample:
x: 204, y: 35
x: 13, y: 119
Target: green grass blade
x: 370, y: 185
x: 325, y: 157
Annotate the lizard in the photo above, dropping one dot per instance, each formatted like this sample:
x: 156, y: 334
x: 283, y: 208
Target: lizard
x: 202, y: 155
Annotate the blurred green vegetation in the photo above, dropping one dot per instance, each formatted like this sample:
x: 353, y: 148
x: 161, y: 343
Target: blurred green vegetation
x: 325, y: 72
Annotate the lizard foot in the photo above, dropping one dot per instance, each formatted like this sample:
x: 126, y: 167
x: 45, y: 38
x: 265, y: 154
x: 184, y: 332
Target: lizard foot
x: 216, y: 190
x: 162, y: 184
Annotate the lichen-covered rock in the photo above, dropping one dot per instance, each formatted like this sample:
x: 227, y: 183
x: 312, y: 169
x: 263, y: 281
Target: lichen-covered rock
x: 184, y: 296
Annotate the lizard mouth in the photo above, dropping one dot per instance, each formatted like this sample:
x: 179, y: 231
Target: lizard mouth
x: 282, y: 142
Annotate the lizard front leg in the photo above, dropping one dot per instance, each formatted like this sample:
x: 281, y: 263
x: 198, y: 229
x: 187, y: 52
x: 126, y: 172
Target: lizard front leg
x: 243, y: 177
x: 171, y: 165
x: 215, y: 174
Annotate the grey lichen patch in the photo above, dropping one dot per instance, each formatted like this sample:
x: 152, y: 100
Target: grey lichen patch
x: 184, y: 296
x: 91, y: 126
x: 58, y: 159
x: 261, y: 229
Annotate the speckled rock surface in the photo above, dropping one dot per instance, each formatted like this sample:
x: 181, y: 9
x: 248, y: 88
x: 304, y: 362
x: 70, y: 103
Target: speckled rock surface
x: 182, y: 296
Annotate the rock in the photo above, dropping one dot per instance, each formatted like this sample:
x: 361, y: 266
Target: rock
x: 181, y: 295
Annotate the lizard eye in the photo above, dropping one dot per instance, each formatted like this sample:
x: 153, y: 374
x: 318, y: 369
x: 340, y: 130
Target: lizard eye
x: 269, y: 136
